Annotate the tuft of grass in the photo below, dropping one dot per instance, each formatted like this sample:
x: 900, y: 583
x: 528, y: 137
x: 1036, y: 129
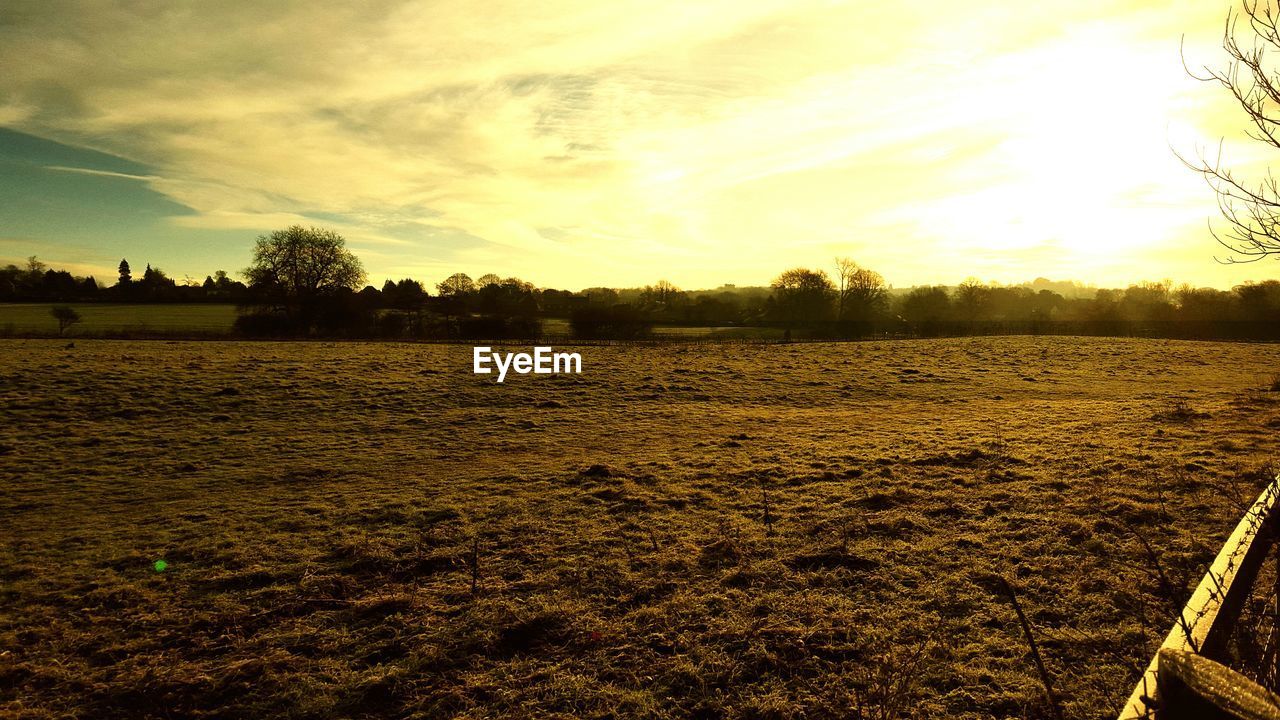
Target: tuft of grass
x: 1180, y: 412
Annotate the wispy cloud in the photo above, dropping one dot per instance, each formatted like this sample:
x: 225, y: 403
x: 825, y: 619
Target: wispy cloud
x: 707, y: 141
x: 101, y: 173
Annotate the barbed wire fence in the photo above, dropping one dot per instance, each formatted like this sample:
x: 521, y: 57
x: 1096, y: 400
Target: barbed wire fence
x: 1222, y: 654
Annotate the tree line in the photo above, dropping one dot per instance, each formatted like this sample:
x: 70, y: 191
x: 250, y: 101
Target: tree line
x: 37, y: 282
x: 304, y: 282
x: 857, y: 303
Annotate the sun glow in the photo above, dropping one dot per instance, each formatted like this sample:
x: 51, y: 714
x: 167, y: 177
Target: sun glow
x: 579, y: 145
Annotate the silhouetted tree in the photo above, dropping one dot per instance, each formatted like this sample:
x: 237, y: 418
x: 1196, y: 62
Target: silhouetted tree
x: 126, y: 275
x: 305, y: 273
x: 970, y: 299
x: 66, y: 317
x: 1259, y: 302
x: 404, y: 300
x: 802, y: 296
x: 664, y: 301
x: 58, y: 285
x: 1206, y: 305
x: 926, y: 308
x: 662, y: 292
x: 407, y: 295
x: 457, y: 284
x: 454, y: 295
x: 715, y: 308
x: 511, y: 297
x: 600, y: 295
x: 304, y: 262
x: 845, y: 268
x: 558, y: 303
x: 154, y: 285
x: 224, y: 288
x: 1147, y: 301
x: 865, y: 296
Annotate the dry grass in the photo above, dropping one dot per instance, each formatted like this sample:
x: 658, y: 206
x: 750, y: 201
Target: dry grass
x: 371, y: 531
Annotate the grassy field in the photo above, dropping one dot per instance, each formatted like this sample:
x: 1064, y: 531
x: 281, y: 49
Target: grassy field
x: 160, y: 318
x: 718, y: 333
x: 783, y: 531
x: 99, y: 318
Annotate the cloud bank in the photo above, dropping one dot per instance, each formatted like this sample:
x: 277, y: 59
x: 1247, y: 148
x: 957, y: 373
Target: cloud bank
x: 584, y: 143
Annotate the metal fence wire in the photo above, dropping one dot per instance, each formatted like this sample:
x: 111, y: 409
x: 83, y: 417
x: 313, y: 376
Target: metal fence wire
x: 1221, y: 658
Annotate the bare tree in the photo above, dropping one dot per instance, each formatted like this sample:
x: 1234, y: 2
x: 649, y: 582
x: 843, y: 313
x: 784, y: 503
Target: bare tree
x: 861, y: 294
x: 662, y: 296
x: 845, y: 268
x: 1251, y: 209
x: 866, y: 295
x: 971, y: 298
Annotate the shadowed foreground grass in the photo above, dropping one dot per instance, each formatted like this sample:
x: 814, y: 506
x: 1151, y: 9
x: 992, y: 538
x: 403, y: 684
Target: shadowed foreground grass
x: 214, y: 320
x: 359, y: 530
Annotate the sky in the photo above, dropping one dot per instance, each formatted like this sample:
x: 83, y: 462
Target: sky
x: 579, y: 143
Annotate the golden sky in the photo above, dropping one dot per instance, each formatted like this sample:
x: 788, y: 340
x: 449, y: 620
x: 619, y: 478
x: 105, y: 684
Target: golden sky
x: 587, y: 142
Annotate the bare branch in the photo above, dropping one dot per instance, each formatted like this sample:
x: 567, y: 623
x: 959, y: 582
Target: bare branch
x: 1251, y: 210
